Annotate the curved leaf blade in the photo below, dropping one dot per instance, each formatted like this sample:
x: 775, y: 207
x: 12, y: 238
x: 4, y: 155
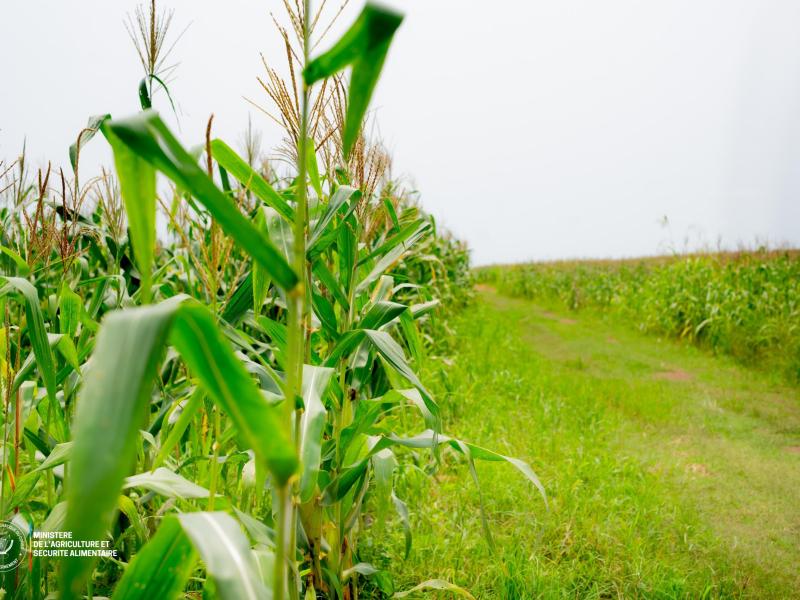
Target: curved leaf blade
x: 250, y: 179
x: 364, y: 46
x: 226, y: 553
x: 149, y: 138
x: 315, y: 381
x: 112, y: 407
x: 161, y: 568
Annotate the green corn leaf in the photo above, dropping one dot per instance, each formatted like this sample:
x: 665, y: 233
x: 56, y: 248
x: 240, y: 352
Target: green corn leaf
x: 66, y: 348
x: 402, y: 512
x: 167, y: 483
x: 384, y: 264
x: 392, y: 353
x: 70, y: 306
x: 128, y: 508
x: 244, y: 174
x: 22, y: 266
x: 226, y: 553
x: 364, y: 47
x: 25, y: 486
x: 148, y: 137
x: 112, y: 407
x: 411, y: 334
x: 392, y: 250
x: 487, y: 530
x: 225, y: 379
x: 188, y: 411
x: 39, y: 341
x: 91, y: 129
x: 422, y: 309
x: 387, y: 204
x: 277, y: 332
x: 384, y: 464
x: 113, y: 402
x: 315, y: 381
x: 137, y: 183
x: 339, y: 487
x: 325, y: 312
x: 313, y: 168
x: 327, y: 279
x: 161, y: 568
x: 343, y: 195
x: 381, y: 313
x: 144, y: 95
x: 242, y: 298
x: 58, y: 456
x: 347, y: 249
x: 407, y: 236
x: 260, y: 277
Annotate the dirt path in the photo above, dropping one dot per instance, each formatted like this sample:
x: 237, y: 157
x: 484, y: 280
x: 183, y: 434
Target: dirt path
x: 725, y: 438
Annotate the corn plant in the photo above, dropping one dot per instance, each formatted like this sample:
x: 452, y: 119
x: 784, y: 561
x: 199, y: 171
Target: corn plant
x: 226, y: 405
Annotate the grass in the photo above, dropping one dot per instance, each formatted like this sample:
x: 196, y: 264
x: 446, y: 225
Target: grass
x: 745, y: 304
x: 670, y: 473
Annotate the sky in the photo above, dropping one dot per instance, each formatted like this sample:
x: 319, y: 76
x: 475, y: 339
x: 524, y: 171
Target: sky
x: 532, y: 129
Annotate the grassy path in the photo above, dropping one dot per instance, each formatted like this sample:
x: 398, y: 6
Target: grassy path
x: 670, y: 473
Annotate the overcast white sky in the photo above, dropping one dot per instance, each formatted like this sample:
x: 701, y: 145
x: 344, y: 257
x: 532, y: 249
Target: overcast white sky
x: 533, y: 129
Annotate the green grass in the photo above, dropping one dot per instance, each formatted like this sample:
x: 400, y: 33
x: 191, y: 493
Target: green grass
x: 745, y: 304
x: 670, y: 473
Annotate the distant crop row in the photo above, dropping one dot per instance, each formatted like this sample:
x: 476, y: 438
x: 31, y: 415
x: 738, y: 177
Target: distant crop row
x: 745, y: 304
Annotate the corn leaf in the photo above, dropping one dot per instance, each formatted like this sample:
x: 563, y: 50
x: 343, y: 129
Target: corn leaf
x: 161, y: 568
x: 113, y: 404
x: 187, y: 413
x: 260, y: 277
x: 364, y: 47
x: 167, y: 483
x: 40, y: 342
x: 22, y: 266
x: 342, y: 195
x: 315, y: 381
x: 70, y: 306
x: 222, y: 375
x: 148, y: 137
x: 137, y: 182
x: 226, y: 553
x: 250, y: 179
x: 91, y: 129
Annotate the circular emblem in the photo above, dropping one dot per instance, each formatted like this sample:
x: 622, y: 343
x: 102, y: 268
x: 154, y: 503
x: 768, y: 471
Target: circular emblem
x: 12, y: 546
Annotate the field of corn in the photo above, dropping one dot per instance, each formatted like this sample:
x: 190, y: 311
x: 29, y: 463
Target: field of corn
x: 745, y: 304
x: 209, y: 368
x: 227, y: 375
